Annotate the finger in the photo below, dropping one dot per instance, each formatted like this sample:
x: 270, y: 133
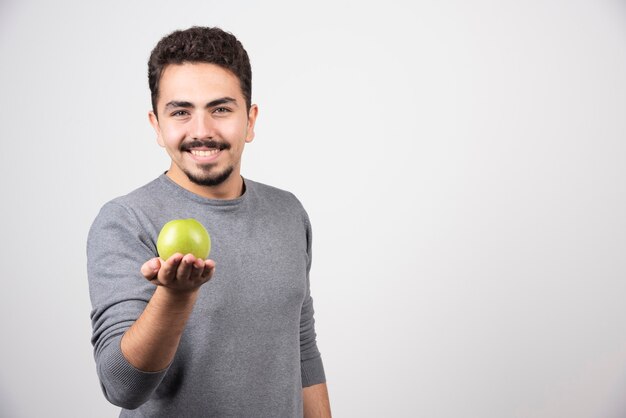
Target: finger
x: 196, y: 270
x: 209, y: 269
x: 199, y: 263
x: 167, y: 273
x: 185, y: 267
x: 150, y: 268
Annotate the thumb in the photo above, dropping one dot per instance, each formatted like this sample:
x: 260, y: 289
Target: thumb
x: 150, y: 268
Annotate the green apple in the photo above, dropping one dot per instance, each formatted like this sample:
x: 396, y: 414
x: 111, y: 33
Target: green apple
x: 185, y: 236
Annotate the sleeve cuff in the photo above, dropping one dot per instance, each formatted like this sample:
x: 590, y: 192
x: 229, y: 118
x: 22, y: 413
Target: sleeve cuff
x: 312, y: 371
x: 123, y: 384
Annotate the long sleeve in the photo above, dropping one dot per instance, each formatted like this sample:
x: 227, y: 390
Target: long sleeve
x: 312, y: 368
x: 116, y: 249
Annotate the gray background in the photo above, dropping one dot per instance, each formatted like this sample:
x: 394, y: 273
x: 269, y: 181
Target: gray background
x: 463, y: 164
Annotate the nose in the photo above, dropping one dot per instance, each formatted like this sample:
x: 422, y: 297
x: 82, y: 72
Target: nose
x: 202, y: 127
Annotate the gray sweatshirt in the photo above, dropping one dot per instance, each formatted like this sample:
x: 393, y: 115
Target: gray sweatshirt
x: 249, y: 345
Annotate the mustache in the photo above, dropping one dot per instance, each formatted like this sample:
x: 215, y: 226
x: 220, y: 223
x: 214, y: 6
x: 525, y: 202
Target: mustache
x: 208, y: 144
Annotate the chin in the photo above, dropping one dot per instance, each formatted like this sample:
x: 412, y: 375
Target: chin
x: 204, y: 179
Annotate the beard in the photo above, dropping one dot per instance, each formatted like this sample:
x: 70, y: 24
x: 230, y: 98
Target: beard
x: 205, y: 177
x: 209, y: 179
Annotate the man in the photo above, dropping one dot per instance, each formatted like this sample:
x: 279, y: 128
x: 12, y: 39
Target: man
x: 187, y: 337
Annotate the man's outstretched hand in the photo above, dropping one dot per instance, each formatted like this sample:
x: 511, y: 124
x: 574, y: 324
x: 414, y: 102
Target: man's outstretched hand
x: 151, y: 342
x: 178, y: 273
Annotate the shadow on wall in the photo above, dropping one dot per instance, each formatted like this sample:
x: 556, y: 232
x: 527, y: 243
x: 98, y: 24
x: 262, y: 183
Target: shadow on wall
x: 7, y: 409
x: 616, y: 405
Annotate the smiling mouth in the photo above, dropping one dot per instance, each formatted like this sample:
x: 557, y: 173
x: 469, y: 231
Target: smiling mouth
x: 204, y: 153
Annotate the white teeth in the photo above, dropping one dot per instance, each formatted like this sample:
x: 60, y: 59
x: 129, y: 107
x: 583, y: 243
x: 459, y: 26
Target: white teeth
x: 201, y: 153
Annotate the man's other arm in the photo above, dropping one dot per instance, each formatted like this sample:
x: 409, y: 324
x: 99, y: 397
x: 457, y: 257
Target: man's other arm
x: 316, y: 402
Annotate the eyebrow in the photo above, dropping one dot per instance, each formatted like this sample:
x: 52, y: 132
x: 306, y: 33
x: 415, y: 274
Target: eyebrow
x: 189, y: 105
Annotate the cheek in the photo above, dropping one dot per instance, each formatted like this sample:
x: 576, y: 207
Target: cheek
x: 234, y: 132
x: 172, y: 136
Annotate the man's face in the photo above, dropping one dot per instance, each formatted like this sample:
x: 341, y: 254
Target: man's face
x: 203, y: 124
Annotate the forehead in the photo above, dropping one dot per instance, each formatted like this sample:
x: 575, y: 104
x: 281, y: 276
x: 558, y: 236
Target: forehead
x: 197, y: 82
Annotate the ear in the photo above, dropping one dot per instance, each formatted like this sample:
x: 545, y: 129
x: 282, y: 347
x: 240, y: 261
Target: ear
x: 252, y: 114
x: 152, y: 117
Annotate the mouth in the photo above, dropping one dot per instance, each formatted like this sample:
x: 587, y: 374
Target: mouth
x: 204, y: 152
x: 204, y: 156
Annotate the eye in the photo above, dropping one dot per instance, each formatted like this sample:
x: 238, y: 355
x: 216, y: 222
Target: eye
x: 221, y: 110
x: 179, y: 113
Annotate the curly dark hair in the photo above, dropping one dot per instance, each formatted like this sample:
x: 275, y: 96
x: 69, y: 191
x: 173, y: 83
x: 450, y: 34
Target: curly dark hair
x: 200, y: 44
